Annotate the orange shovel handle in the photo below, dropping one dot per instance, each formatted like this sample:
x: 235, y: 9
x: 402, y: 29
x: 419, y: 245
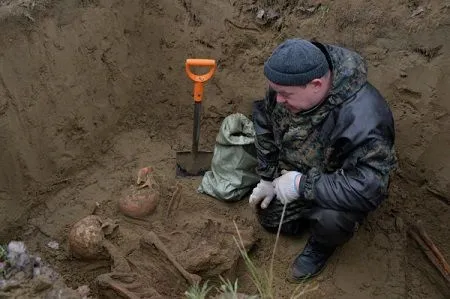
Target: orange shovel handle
x: 200, y: 79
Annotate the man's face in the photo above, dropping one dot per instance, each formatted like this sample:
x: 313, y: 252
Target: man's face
x: 301, y: 98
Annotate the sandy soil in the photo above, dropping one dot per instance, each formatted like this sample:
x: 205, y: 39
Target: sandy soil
x: 91, y: 91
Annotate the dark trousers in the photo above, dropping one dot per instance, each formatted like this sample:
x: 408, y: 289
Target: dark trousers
x: 327, y: 227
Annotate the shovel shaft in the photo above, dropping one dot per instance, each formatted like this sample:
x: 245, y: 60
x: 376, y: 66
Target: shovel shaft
x: 196, y: 135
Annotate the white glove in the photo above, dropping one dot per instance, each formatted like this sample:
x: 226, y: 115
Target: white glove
x: 264, y: 192
x: 286, y: 186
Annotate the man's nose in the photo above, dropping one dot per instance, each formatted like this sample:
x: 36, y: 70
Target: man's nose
x: 280, y: 99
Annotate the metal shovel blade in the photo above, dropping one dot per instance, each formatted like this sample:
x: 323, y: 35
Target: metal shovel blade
x: 190, y: 164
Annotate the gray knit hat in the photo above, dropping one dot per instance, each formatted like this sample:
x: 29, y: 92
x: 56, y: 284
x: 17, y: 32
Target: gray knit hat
x: 295, y: 62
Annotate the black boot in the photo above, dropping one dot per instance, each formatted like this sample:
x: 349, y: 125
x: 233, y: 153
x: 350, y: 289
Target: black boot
x: 311, y: 261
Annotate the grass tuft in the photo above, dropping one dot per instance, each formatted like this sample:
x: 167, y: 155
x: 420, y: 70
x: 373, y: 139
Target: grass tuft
x: 196, y: 291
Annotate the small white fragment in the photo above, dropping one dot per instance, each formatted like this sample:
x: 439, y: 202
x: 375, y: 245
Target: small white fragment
x: 260, y: 14
x: 53, y: 245
x: 418, y: 11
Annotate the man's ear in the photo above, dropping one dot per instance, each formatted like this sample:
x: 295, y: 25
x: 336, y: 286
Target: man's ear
x: 317, y: 83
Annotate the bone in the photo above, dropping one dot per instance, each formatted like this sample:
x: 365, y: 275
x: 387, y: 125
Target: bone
x: 122, y: 283
x: 106, y: 281
x: 175, y: 200
x: 120, y: 263
x: 142, y: 174
x: 152, y: 239
x: 423, y: 234
x: 431, y: 257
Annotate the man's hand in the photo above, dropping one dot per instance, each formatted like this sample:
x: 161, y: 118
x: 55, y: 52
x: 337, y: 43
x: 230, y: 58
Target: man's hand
x: 264, y: 192
x: 286, y: 186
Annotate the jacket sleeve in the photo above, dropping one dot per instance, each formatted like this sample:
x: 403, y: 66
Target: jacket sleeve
x: 266, y: 149
x: 360, y: 185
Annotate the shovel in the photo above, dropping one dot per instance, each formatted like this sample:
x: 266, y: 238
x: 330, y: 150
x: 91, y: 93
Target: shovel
x: 196, y: 163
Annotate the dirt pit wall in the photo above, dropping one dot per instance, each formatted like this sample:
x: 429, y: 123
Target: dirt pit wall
x: 69, y: 70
